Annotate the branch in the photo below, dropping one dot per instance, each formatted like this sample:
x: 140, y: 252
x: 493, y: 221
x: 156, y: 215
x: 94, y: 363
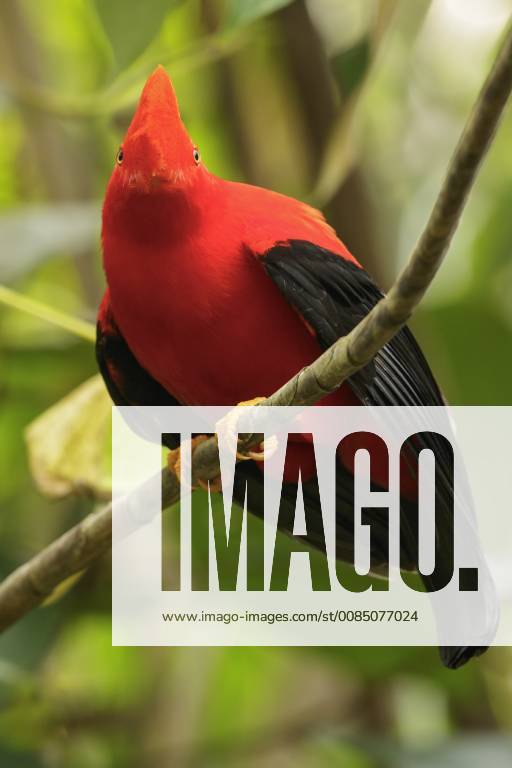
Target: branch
x: 121, y: 94
x: 80, y: 328
x: 75, y: 550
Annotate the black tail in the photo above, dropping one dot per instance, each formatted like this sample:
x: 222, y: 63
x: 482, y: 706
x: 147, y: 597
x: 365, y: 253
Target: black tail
x: 452, y: 657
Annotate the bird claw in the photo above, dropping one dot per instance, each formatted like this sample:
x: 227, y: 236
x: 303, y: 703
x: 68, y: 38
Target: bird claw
x: 174, y: 464
x: 254, y: 401
x: 228, y: 427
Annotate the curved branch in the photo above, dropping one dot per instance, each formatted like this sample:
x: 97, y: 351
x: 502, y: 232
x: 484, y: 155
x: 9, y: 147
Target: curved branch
x: 76, y: 549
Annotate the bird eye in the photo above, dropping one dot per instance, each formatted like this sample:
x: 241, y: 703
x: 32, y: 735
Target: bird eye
x: 197, y: 156
x: 120, y: 156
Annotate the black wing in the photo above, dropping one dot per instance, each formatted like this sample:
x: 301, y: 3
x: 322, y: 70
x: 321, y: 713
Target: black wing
x: 333, y: 295
x: 127, y: 382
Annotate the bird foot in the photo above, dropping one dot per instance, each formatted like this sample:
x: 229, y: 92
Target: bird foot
x: 174, y: 464
x: 231, y: 427
x: 254, y: 401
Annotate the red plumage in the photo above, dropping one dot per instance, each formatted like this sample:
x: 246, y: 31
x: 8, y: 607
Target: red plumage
x: 181, y: 250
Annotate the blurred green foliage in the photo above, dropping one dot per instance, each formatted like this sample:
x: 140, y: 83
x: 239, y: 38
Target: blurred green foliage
x: 129, y: 31
x: 386, y: 86
x: 240, y: 12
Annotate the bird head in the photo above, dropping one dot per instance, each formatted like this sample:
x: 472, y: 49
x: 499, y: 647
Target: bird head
x: 157, y: 153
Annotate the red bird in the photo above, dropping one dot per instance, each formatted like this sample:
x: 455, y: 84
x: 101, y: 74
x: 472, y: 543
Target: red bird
x: 219, y: 292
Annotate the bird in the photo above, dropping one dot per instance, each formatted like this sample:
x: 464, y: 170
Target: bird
x: 218, y: 292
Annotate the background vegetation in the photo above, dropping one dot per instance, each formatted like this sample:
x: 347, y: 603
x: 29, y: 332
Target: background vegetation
x: 354, y: 105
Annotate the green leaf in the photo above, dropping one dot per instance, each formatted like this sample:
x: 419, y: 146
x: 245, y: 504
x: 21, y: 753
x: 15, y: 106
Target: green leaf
x: 350, y: 66
x: 339, y: 154
x: 241, y: 12
x: 131, y: 25
x: 69, y: 444
x: 62, y: 589
x: 24, y: 726
x: 84, y: 668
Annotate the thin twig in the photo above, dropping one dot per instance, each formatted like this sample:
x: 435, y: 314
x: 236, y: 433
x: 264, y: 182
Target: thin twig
x: 79, y: 547
x: 121, y: 95
x: 80, y: 328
